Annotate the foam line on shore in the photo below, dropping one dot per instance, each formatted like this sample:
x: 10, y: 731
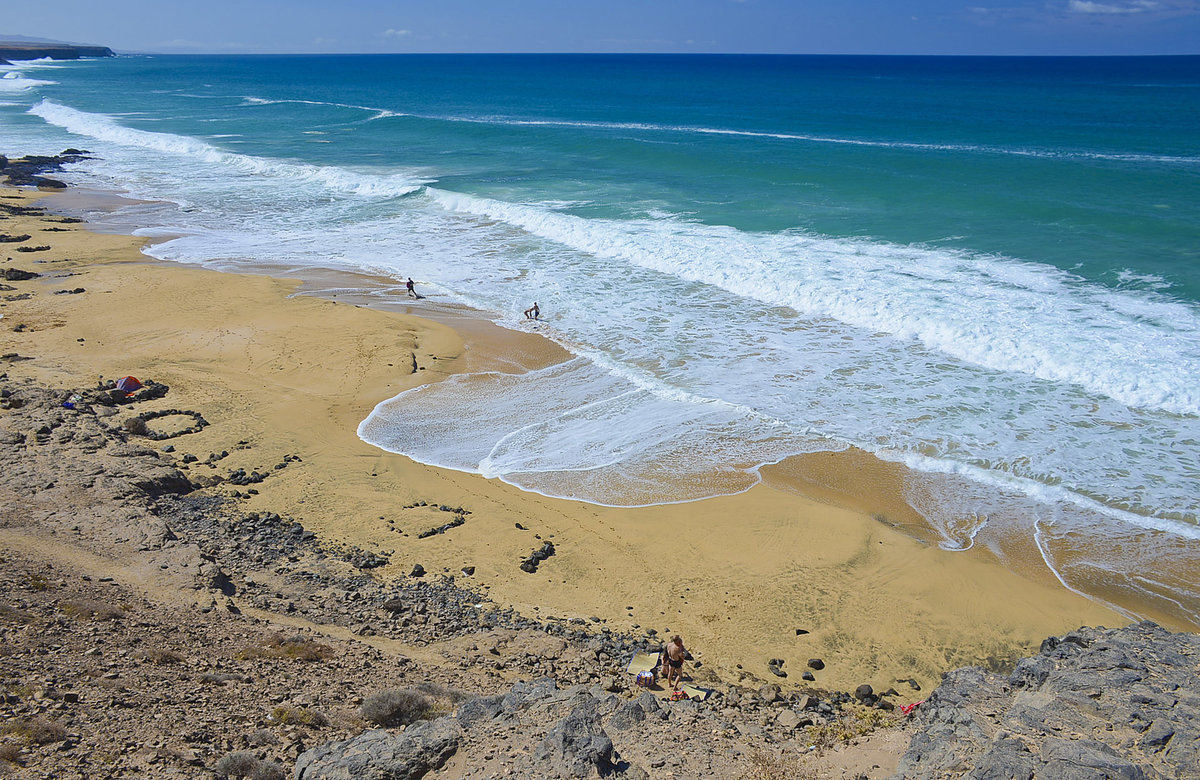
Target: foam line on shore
x: 103, y: 127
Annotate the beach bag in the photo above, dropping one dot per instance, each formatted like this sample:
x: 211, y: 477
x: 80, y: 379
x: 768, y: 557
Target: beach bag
x: 645, y: 679
x: 678, y: 695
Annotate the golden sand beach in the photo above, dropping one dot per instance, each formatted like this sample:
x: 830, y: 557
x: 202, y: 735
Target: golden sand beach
x: 813, y: 563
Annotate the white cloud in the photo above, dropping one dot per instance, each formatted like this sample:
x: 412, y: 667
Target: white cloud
x: 1088, y: 7
x: 395, y: 33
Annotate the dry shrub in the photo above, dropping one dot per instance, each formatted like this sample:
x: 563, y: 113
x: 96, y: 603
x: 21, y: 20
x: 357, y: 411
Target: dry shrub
x: 853, y: 722
x: 302, y: 716
x: 764, y: 765
x: 90, y: 609
x: 35, y: 731
x: 268, y: 770
x: 37, y: 583
x: 347, y: 720
x: 161, y: 657
x: 239, y: 763
x: 136, y: 426
x: 243, y: 763
x: 395, y: 707
x: 262, y: 737
x: 10, y: 614
x: 297, y: 647
x: 219, y: 678
x: 10, y: 753
x: 437, y: 690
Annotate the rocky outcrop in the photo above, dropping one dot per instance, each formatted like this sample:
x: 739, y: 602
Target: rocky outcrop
x: 27, y: 171
x: 11, y: 50
x: 380, y: 755
x: 1095, y: 703
x: 577, y: 745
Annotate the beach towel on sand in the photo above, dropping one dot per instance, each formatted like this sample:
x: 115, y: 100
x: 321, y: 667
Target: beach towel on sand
x: 694, y: 693
x: 643, y: 662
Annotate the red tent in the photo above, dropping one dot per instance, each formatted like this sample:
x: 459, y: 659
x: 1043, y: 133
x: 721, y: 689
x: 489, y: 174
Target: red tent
x: 129, y: 384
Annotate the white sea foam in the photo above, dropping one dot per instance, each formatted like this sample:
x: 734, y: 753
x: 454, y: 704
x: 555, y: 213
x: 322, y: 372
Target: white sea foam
x: 378, y: 113
x: 1006, y: 315
x: 575, y: 430
x: 1061, y: 154
x: 103, y: 128
x: 15, y: 81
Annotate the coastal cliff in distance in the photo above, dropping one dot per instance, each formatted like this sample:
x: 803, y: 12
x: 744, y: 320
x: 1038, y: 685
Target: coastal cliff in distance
x: 23, y: 50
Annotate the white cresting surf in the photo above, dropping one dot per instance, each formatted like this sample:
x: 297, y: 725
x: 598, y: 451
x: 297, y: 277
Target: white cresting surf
x: 1012, y: 313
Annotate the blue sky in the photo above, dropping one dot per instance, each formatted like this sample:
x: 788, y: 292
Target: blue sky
x: 699, y: 26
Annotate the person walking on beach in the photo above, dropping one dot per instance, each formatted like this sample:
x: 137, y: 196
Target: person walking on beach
x: 411, y: 290
x: 673, y: 657
x: 533, y: 312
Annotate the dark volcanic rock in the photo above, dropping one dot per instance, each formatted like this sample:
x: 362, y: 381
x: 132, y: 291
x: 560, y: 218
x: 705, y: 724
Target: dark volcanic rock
x: 577, y: 746
x: 379, y: 755
x: 1094, y: 703
x: 26, y: 171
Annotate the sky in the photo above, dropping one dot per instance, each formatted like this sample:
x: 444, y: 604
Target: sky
x: 1010, y: 27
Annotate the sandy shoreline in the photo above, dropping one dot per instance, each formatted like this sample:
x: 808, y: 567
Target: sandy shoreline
x: 738, y: 576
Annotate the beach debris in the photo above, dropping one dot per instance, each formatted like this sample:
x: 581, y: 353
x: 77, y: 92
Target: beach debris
x: 42, y: 248
x: 7, y: 239
x: 775, y: 665
x: 17, y: 275
x: 76, y: 291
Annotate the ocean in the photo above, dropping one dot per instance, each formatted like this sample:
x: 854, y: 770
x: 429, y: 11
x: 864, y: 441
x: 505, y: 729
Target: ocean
x: 984, y: 269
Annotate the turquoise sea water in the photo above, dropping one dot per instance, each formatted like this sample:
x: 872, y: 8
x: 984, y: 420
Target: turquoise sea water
x: 985, y: 268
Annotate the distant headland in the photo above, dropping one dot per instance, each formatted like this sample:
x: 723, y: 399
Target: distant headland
x: 36, y: 50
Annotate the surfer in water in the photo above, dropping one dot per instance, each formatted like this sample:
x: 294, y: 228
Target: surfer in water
x: 533, y: 312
